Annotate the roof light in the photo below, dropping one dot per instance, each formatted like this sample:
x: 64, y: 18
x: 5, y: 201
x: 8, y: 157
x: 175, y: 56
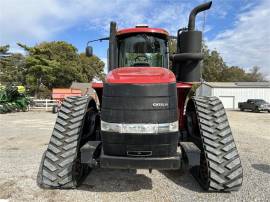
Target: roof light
x: 142, y: 26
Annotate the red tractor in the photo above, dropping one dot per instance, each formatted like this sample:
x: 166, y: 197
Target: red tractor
x: 146, y: 120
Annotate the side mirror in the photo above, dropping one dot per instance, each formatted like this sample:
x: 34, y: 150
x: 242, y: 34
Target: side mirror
x: 89, y: 51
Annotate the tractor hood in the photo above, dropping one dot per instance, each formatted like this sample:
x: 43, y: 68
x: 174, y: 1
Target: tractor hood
x: 140, y: 75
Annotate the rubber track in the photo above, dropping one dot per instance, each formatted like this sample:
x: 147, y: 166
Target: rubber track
x: 224, y: 165
x: 56, y: 165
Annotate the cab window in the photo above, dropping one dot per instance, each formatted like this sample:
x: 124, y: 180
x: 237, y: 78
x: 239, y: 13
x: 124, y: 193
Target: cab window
x: 143, y: 50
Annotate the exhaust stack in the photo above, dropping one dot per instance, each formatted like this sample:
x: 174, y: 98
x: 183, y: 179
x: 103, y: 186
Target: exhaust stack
x: 187, y: 62
x: 112, y: 62
x: 194, y: 12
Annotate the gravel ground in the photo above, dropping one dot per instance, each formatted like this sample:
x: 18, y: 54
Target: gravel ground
x: 24, y: 136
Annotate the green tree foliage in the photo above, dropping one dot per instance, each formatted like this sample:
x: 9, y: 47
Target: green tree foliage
x: 233, y: 74
x: 12, y: 66
x: 172, y: 46
x: 4, y: 49
x: 57, y: 64
x: 213, y: 65
x: 90, y: 73
x: 172, y: 49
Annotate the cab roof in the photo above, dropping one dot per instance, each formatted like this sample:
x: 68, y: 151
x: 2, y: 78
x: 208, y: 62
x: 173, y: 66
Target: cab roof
x: 142, y: 30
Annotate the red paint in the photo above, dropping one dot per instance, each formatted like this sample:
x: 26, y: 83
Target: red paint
x: 142, y: 30
x: 97, y: 85
x: 182, y: 93
x: 61, y: 93
x: 183, y: 85
x: 140, y: 75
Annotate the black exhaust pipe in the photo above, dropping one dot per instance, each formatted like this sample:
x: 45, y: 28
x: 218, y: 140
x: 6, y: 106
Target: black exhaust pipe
x: 187, y: 62
x: 195, y: 11
x: 112, y: 63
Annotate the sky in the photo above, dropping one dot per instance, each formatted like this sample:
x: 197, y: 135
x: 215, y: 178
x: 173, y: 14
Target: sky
x: 238, y: 29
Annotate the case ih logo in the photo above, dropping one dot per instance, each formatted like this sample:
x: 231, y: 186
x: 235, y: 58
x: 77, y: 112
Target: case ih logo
x: 160, y: 105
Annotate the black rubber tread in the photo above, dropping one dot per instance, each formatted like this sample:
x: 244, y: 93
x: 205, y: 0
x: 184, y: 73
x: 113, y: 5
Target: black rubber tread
x: 225, y: 172
x: 57, y: 164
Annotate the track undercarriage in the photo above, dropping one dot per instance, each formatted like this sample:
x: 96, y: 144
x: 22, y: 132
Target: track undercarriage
x: 209, y: 149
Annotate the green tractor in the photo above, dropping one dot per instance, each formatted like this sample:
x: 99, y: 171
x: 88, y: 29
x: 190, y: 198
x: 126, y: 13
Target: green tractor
x: 13, y: 99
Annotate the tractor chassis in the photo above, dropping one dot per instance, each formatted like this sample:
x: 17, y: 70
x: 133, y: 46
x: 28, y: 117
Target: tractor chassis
x: 188, y: 155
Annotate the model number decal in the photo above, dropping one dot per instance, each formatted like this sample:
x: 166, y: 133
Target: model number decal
x: 160, y: 105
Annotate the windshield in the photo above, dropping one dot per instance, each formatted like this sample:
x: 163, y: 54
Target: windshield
x: 261, y: 101
x: 142, y: 50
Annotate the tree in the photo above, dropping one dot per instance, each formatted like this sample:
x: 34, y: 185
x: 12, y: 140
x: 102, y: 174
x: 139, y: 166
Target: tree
x: 39, y: 68
x: 172, y: 46
x: 213, y: 65
x: 233, y: 74
x: 172, y: 49
x: 57, y: 64
x: 255, y: 75
x: 4, y: 49
x: 215, y: 69
x: 12, y: 69
x: 87, y: 70
x: 12, y: 66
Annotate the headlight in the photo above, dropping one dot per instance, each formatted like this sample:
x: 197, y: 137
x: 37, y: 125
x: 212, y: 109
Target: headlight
x: 142, y: 128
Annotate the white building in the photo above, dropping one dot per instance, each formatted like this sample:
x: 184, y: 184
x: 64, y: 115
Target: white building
x: 230, y: 93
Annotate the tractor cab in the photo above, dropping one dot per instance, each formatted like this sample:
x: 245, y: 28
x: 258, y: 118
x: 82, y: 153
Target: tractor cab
x: 142, y: 47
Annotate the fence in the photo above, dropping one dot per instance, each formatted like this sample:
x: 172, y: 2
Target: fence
x: 43, y: 104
